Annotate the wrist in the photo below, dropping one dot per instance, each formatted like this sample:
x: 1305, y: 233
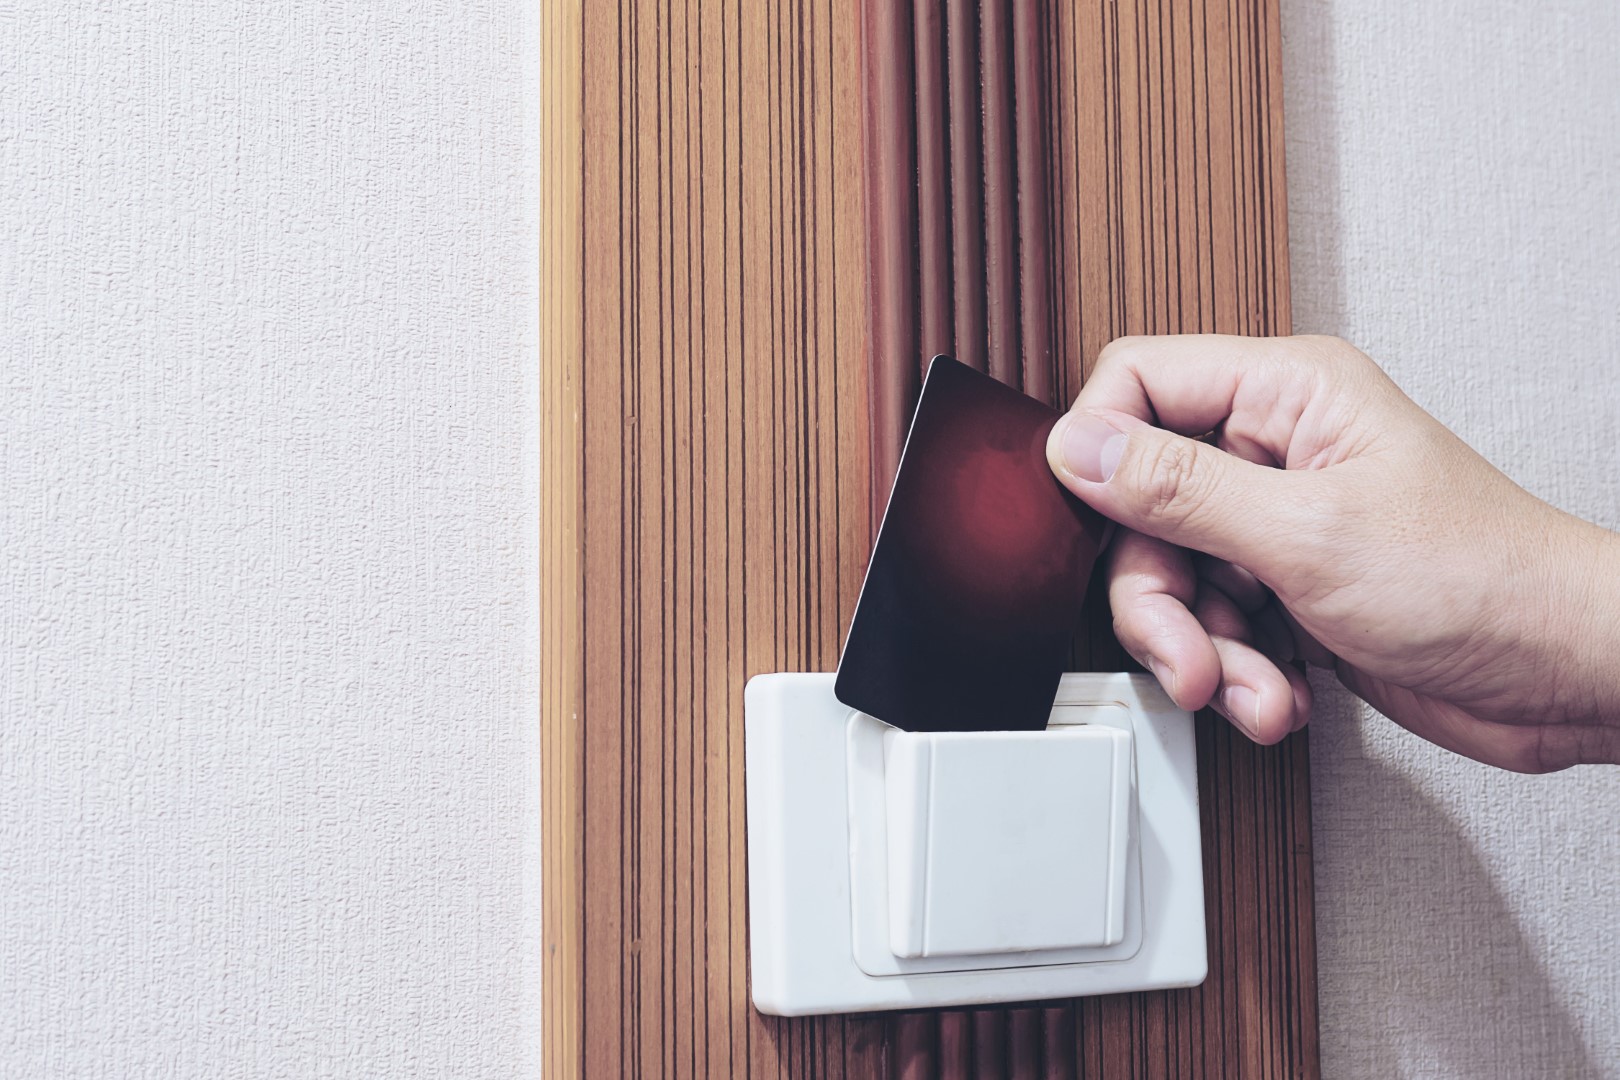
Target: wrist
x: 1579, y: 618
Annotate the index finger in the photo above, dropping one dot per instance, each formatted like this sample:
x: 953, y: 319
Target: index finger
x: 1194, y: 383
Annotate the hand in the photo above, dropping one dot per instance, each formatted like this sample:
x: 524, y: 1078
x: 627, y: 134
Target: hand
x: 1280, y: 501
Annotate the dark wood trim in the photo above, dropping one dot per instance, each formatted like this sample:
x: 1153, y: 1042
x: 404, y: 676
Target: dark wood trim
x: 891, y: 194
x: 1031, y: 90
x: 971, y: 342
x: 1000, y: 275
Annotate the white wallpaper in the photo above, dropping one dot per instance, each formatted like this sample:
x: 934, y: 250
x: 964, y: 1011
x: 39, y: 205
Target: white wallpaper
x: 267, y: 286
x: 1454, y: 175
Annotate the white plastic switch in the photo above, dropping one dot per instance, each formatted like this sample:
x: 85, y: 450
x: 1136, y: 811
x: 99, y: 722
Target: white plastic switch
x: 889, y: 870
x: 1003, y: 841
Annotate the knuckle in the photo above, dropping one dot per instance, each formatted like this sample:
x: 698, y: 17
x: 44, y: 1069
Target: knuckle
x: 1322, y: 348
x: 1167, y: 481
x: 1319, y: 354
x: 1326, y: 344
x: 1119, y: 348
x: 1303, y: 359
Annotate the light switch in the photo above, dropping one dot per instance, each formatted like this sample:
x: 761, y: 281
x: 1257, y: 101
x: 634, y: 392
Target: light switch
x: 1004, y: 841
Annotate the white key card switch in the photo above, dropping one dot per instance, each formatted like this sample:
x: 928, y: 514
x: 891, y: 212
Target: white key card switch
x: 898, y: 870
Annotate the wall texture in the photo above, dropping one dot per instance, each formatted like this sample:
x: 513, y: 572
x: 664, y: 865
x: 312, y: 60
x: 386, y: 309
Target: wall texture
x: 267, y: 293
x: 1454, y: 175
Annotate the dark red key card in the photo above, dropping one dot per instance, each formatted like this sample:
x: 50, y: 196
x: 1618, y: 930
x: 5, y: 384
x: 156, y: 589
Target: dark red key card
x: 975, y: 583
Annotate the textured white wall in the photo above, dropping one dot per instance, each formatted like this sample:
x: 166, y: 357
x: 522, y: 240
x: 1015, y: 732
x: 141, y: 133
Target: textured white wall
x: 267, y: 286
x: 1454, y: 174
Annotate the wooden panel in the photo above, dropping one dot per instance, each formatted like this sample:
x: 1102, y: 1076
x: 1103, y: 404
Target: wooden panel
x: 1143, y: 143
x: 709, y: 460
x: 710, y: 515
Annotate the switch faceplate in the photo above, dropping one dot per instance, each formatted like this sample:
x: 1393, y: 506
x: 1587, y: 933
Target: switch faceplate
x: 890, y: 869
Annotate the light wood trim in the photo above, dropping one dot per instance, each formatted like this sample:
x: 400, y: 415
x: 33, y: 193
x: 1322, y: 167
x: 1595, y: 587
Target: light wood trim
x: 561, y: 637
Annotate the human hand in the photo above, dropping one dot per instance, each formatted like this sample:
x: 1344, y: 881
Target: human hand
x: 1326, y: 518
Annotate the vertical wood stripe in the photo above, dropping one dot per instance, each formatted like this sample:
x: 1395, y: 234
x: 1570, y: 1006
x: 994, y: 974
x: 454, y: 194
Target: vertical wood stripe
x: 1000, y: 210
x: 1158, y: 125
x: 1031, y: 90
x: 966, y: 187
x: 891, y: 186
x: 935, y: 321
x: 561, y: 627
x: 714, y: 305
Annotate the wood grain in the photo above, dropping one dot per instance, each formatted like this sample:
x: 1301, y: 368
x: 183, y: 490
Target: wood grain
x: 561, y: 625
x: 721, y: 384
x: 891, y: 200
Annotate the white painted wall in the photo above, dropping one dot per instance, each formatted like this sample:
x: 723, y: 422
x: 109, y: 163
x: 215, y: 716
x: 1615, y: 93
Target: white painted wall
x: 267, y: 286
x: 1454, y: 174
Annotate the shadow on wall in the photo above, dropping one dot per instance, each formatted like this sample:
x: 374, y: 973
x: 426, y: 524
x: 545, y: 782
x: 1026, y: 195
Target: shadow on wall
x: 1409, y: 916
x: 1422, y: 967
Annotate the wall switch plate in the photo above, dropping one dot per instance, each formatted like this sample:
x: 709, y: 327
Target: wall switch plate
x: 891, y: 869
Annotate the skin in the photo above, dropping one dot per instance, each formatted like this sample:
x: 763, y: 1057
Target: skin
x: 1280, y: 502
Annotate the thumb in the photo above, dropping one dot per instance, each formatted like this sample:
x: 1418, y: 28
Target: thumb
x: 1182, y: 491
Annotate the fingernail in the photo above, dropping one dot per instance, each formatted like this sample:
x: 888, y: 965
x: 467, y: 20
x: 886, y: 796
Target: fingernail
x: 1243, y: 705
x: 1165, y: 674
x: 1090, y: 447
